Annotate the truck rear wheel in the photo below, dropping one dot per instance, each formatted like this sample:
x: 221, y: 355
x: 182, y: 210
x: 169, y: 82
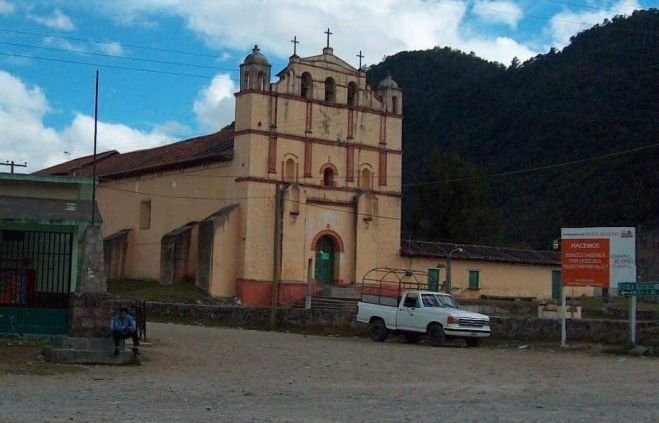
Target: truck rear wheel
x: 436, y: 335
x: 377, y: 330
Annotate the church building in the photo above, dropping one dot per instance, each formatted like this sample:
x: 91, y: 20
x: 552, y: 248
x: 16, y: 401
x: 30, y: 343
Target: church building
x: 314, y: 157
x: 206, y: 208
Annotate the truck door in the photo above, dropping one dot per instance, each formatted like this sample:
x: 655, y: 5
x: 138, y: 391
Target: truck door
x: 407, y: 311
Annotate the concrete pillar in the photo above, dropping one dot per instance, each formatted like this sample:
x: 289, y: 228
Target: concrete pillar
x: 92, y: 263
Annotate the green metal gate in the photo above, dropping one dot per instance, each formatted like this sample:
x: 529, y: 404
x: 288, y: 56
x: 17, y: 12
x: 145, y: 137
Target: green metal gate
x: 556, y: 287
x: 35, y: 281
x: 324, y: 271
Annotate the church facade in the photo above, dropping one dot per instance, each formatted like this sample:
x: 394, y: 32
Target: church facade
x: 314, y: 157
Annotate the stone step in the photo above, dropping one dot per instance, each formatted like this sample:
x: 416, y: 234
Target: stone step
x: 67, y: 342
x: 77, y: 356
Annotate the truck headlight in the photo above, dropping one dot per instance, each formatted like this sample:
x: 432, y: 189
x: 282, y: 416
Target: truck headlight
x: 453, y: 320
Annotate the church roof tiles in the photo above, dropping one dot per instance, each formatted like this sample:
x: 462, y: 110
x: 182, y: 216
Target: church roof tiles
x: 191, y: 152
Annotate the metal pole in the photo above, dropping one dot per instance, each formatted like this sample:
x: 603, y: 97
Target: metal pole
x: 563, y: 319
x: 94, y: 159
x: 307, y: 304
x: 276, y: 265
x: 632, y: 319
x: 448, y: 273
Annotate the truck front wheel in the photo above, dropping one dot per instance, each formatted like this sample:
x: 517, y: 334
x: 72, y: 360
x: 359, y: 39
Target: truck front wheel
x: 377, y: 330
x: 436, y: 335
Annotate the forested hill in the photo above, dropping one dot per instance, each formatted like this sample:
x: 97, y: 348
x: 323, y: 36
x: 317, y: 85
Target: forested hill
x: 466, y: 118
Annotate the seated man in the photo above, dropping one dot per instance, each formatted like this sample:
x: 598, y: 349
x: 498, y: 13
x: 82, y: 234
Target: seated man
x: 123, y: 327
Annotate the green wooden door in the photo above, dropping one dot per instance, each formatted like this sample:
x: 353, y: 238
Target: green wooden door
x: 556, y: 285
x: 324, y: 270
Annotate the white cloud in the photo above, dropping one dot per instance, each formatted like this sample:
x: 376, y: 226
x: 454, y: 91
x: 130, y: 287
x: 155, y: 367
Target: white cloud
x: 215, y: 104
x: 64, y: 44
x: 24, y: 134
x: 498, y: 11
x: 567, y: 23
x: 112, y: 48
x: 378, y: 28
x: 6, y: 8
x: 57, y: 20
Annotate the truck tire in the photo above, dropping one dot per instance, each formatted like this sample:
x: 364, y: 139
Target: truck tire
x: 377, y: 330
x: 436, y: 335
x: 473, y: 342
x: 412, y: 337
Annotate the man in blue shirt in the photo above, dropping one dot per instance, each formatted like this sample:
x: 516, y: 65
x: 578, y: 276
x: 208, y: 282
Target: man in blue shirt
x: 123, y: 327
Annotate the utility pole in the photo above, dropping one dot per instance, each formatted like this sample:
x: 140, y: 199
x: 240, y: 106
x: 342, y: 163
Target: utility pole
x: 94, y: 160
x: 13, y: 164
x: 276, y: 265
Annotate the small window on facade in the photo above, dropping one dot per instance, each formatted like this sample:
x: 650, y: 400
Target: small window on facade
x: 145, y: 214
x: 330, y: 90
x: 365, y: 179
x: 394, y: 104
x: 289, y: 170
x: 307, y: 84
x: 328, y: 177
x: 261, y: 81
x: 352, y: 94
x: 474, y: 282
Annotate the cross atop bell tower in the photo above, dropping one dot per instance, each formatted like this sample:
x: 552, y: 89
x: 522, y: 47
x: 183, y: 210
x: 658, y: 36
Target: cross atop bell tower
x: 328, y: 49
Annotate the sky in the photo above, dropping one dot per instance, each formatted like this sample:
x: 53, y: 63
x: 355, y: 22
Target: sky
x: 169, y: 68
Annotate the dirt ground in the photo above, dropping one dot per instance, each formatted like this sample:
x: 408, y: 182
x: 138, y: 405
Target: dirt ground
x: 198, y: 374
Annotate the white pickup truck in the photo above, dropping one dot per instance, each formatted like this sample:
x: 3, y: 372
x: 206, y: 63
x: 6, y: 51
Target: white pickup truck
x: 422, y: 313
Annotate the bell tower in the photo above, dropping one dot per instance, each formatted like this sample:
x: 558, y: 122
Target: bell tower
x: 255, y: 72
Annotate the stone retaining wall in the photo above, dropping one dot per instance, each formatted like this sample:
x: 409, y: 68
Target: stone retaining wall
x: 343, y: 322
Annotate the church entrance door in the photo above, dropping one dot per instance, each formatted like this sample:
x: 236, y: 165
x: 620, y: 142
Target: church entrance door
x: 325, y: 256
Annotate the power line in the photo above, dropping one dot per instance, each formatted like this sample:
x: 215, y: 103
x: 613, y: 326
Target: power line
x: 185, y: 197
x: 99, y: 65
x: 116, y: 56
x: 534, y: 169
x: 169, y: 50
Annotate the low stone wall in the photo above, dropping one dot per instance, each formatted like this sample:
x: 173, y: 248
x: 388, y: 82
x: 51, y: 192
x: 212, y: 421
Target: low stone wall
x: 343, y: 322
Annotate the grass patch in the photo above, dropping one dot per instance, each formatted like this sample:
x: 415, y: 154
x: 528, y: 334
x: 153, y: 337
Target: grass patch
x: 186, y: 293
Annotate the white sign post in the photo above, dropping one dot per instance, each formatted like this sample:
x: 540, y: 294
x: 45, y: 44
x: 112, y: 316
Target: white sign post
x: 598, y: 257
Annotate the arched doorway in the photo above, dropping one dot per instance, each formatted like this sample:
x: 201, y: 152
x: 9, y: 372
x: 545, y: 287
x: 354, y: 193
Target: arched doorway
x: 325, y: 260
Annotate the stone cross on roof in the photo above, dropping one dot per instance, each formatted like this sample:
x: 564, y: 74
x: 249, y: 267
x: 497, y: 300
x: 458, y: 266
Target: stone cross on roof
x: 328, y: 32
x: 295, y: 43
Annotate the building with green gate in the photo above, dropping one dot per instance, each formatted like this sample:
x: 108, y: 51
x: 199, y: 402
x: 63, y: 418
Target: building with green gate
x: 42, y: 223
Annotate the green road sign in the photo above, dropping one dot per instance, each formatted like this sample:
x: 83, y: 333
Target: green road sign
x: 643, y: 289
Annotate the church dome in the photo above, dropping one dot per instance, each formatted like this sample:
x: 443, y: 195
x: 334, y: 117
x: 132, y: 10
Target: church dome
x: 388, y: 83
x: 256, y: 58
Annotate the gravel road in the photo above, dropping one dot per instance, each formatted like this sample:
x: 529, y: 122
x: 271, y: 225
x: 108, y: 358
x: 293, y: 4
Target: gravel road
x: 199, y: 374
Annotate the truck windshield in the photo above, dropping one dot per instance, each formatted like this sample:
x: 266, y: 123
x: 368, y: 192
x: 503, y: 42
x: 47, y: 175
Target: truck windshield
x: 433, y: 300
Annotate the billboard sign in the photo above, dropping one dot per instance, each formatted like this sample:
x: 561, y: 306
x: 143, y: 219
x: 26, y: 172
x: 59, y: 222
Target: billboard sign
x: 599, y: 257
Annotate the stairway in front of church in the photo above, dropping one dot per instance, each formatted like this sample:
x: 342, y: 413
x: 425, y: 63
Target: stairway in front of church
x: 333, y: 298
